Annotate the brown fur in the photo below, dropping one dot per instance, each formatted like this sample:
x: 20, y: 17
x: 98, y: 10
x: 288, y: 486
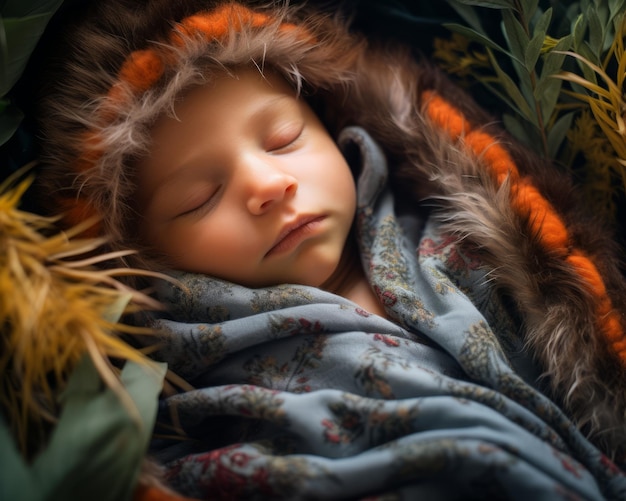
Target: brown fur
x: 353, y: 82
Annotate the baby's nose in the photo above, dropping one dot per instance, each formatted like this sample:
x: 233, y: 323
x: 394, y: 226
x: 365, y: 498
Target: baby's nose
x: 270, y: 188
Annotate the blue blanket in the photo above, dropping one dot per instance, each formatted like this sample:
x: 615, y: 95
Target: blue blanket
x: 303, y: 395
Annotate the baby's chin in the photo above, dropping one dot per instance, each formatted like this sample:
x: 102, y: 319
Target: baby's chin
x: 313, y: 276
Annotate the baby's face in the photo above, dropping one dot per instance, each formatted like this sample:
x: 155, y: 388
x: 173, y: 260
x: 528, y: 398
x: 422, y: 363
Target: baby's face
x: 246, y: 185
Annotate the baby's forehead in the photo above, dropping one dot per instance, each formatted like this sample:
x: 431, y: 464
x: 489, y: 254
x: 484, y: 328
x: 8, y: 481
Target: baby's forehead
x: 232, y: 86
x: 243, y: 91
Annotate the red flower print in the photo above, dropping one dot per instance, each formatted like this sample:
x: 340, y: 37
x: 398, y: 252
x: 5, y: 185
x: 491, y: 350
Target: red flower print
x: 610, y: 465
x: 388, y: 340
x: 388, y: 298
x: 362, y: 312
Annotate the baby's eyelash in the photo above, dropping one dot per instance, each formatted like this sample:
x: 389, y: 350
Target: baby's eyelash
x: 285, y: 139
x: 205, y: 206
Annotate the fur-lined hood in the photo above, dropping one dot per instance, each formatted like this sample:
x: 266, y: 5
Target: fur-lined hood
x: 544, y: 251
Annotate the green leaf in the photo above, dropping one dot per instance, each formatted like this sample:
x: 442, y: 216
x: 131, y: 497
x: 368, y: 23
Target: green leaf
x: 616, y: 10
x: 533, y: 51
x: 96, y: 448
x: 547, y: 94
x: 16, y: 481
x: 596, y: 34
x: 21, y: 37
x: 617, y: 21
x: 548, y: 89
x: 616, y: 6
x: 476, y: 37
x: 579, y: 29
x: 521, y: 105
x: 553, y: 62
x: 558, y: 132
x: 516, y: 36
x: 602, y: 9
x: 543, y: 23
x: 529, y: 10
x: 468, y: 14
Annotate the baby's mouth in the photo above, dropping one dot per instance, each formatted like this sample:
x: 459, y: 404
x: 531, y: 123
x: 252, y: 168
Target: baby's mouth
x: 294, y: 232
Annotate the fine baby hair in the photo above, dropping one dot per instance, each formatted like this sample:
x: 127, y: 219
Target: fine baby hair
x: 129, y: 65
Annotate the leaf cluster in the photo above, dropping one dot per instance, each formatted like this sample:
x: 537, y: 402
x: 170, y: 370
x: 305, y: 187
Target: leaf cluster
x: 528, y: 50
x: 549, y: 63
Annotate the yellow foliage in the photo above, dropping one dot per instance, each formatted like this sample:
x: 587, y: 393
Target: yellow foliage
x: 599, y: 162
x: 459, y: 57
x: 55, y: 308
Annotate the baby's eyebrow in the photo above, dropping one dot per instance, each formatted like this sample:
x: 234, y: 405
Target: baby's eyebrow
x: 178, y: 178
x: 274, y: 106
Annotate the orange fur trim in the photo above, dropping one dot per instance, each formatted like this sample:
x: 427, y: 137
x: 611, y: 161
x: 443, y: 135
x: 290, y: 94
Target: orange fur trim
x: 216, y: 24
x: 545, y: 223
x: 92, y: 151
x: 141, y: 70
x: 78, y: 210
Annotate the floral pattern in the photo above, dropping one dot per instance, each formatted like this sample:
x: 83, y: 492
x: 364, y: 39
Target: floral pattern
x: 317, y: 399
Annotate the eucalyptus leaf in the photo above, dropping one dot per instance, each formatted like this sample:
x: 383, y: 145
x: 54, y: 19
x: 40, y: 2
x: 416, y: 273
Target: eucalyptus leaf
x: 476, y: 37
x: 558, y: 132
x: 543, y: 23
x: 21, y: 37
x: 596, y: 34
x: 617, y: 21
x: 529, y: 9
x: 548, y: 88
x: 515, y: 35
x: 616, y: 7
x: 553, y: 61
x: 533, y: 51
x: 469, y: 15
x: 512, y: 90
x: 547, y: 94
x: 579, y: 28
x: 96, y: 448
x: 602, y: 8
x: 16, y: 481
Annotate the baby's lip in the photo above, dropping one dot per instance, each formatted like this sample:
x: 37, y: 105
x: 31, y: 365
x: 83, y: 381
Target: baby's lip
x: 298, y: 227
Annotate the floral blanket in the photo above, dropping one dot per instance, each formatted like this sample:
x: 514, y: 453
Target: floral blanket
x: 300, y: 394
